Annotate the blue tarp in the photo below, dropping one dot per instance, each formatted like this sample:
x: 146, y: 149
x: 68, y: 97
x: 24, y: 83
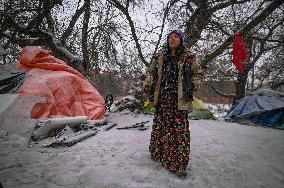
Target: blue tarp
x: 261, y: 109
x: 269, y: 118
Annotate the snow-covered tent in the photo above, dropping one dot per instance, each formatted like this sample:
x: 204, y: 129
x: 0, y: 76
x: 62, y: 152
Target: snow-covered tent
x: 262, y: 107
x: 66, y: 92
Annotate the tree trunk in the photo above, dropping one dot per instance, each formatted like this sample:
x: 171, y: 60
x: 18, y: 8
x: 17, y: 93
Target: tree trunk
x: 241, y: 86
x: 86, y: 58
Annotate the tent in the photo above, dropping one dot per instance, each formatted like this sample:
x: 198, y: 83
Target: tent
x: 199, y: 110
x: 65, y: 90
x: 262, y: 107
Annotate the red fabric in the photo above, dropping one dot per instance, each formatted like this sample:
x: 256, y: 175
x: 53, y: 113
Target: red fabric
x: 239, y: 52
x: 66, y: 90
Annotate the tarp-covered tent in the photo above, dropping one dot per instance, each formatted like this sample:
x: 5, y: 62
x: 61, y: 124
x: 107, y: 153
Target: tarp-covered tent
x: 66, y: 91
x: 262, y: 107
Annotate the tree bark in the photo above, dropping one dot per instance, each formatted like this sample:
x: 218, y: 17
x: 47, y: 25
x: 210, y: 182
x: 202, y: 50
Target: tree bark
x: 125, y: 11
x: 71, y: 25
x: 86, y: 59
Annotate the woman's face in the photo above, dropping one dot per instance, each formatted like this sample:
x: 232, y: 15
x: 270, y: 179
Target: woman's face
x: 174, y: 41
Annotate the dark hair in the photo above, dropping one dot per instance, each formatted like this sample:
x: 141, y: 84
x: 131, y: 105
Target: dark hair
x: 181, y: 47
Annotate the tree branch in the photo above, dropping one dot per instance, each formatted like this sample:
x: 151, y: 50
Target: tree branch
x: 70, y: 27
x: 226, y: 4
x: 220, y: 27
x: 197, y: 22
x: 125, y: 11
x: 278, y: 84
x: 50, y: 22
x: 166, y: 12
x: 86, y: 59
x: 219, y: 92
x: 262, y: 49
x: 262, y: 16
x: 47, y: 6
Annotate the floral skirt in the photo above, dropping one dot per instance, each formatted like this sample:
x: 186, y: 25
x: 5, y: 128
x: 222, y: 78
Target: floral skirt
x: 170, y: 137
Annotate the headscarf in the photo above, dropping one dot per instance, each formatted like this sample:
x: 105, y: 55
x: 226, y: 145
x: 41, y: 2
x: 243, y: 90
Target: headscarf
x: 180, y: 49
x: 179, y: 33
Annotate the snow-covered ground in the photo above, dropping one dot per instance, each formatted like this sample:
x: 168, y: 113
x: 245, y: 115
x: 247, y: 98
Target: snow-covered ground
x: 219, y: 110
x: 222, y: 155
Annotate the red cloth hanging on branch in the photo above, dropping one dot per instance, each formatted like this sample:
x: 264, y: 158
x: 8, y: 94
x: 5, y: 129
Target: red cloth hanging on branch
x: 239, y: 52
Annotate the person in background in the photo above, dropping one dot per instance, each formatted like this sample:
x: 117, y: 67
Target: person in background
x: 170, y: 80
x: 108, y: 101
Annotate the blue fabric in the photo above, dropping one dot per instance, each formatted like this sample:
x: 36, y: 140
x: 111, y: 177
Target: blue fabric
x: 269, y: 118
x: 256, y: 104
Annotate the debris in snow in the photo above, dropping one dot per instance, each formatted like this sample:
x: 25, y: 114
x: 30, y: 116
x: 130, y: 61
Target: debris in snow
x: 95, y: 123
x: 108, y: 127
x: 127, y: 102
x: 136, y: 89
x: 140, y: 126
x: 65, y: 133
x: 71, y: 140
x: 134, y: 99
x: 44, y: 127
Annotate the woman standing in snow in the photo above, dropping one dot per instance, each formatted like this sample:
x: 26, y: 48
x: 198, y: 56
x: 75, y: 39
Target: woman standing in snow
x: 170, y: 81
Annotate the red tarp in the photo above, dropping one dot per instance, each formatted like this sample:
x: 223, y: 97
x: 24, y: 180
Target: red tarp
x: 66, y: 90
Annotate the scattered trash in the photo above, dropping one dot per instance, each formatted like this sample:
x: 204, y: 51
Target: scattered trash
x: 95, y: 123
x: 44, y: 127
x: 67, y: 131
x: 70, y: 141
x: 128, y: 102
x: 108, y: 127
x: 64, y: 133
x: 140, y: 126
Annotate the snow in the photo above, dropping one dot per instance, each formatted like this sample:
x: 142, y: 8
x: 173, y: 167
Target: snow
x: 219, y: 110
x: 6, y: 100
x: 222, y: 155
x: 129, y: 98
x: 126, y: 102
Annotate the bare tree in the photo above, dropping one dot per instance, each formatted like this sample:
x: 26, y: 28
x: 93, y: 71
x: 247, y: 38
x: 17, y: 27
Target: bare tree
x: 37, y: 23
x: 211, y: 26
x: 105, y: 36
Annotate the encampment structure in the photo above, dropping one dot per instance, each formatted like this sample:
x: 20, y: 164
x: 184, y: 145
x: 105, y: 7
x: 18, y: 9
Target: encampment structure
x: 65, y: 91
x: 262, y: 107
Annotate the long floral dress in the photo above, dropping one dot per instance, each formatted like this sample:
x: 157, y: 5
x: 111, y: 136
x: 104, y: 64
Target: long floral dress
x: 170, y: 137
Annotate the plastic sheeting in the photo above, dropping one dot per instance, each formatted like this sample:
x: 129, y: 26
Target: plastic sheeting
x: 198, y: 104
x: 269, y: 118
x: 11, y: 79
x: 256, y: 104
x: 66, y: 90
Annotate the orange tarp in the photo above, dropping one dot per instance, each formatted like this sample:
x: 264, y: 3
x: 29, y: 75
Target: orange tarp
x: 66, y: 90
